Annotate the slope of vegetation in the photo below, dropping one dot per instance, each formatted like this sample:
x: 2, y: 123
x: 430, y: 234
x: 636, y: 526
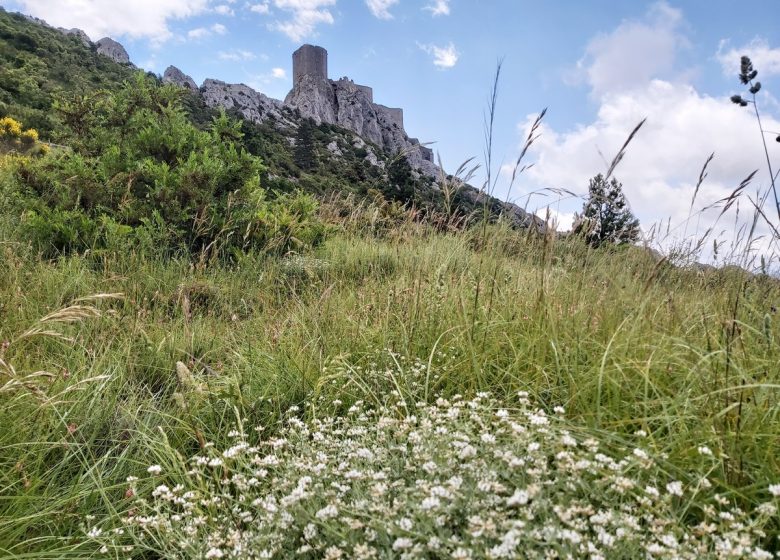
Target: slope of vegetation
x: 37, y: 63
x: 163, y: 360
x: 202, y: 359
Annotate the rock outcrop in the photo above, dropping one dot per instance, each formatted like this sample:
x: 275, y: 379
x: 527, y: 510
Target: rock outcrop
x: 252, y: 105
x: 80, y: 34
x: 113, y: 50
x: 175, y: 76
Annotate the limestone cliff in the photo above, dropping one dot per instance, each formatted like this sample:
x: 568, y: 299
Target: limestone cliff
x: 252, y: 105
x: 175, y: 76
x: 346, y: 104
x: 113, y: 50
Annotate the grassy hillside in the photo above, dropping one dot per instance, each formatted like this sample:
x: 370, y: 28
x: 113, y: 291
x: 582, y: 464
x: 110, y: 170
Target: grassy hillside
x: 38, y: 63
x: 214, y: 345
x: 149, y: 361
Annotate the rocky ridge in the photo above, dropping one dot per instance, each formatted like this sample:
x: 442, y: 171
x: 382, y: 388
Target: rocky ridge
x: 339, y: 102
x: 112, y: 49
x: 105, y: 46
x: 175, y: 76
x: 343, y: 103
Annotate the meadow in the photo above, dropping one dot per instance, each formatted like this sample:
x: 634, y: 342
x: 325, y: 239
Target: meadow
x: 606, y: 403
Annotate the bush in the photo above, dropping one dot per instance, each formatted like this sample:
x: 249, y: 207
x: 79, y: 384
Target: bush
x: 137, y: 170
x: 14, y: 139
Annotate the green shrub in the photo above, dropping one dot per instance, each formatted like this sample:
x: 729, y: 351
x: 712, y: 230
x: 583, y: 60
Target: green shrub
x: 139, y: 173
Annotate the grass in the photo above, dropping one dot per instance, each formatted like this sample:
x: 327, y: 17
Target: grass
x: 626, y: 344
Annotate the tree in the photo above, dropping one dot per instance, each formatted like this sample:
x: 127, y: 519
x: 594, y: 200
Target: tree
x: 402, y: 185
x: 305, y: 154
x: 606, y: 216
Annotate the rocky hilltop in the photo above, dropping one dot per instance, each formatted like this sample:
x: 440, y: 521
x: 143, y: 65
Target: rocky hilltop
x: 339, y: 102
x: 351, y: 106
x: 105, y: 46
x: 110, y: 48
x: 358, y: 139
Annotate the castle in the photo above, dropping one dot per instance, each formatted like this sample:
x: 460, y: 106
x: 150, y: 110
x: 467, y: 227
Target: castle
x: 348, y: 104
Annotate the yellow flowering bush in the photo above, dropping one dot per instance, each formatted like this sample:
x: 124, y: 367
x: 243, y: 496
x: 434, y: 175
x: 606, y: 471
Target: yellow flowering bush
x: 13, y: 138
x: 10, y: 128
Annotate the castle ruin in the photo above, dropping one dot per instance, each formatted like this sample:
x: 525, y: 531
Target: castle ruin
x: 348, y: 104
x: 310, y: 61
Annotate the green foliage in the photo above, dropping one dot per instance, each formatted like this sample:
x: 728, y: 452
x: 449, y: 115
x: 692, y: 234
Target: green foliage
x: 401, y: 184
x: 622, y: 343
x: 37, y: 63
x: 305, y: 150
x: 606, y: 217
x: 138, y: 172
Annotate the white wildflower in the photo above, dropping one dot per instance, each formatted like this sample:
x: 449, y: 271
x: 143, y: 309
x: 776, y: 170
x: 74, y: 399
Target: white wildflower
x: 675, y: 488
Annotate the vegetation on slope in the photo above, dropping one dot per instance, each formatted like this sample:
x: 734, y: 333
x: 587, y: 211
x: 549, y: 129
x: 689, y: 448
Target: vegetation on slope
x: 195, y: 366
x: 38, y: 63
x: 639, y: 354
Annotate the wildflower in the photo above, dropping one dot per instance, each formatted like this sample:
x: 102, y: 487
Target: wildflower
x: 519, y: 498
x: 675, y: 488
x: 704, y: 450
x: 774, y: 489
x: 641, y: 454
x: 328, y: 512
x: 214, y: 553
x: 402, y: 543
x: 95, y: 532
x: 154, y: 470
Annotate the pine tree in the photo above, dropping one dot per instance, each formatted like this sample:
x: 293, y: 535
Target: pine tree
x: 305, y: 154
x: 402, y: 185
x: 606, y: 216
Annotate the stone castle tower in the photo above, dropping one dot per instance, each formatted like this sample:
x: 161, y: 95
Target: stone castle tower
x: 351, y: 106
x: 310, y: 61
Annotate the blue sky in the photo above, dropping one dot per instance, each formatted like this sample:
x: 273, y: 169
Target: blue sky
x: 598, y: 65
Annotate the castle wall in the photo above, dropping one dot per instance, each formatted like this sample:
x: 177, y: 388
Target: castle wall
x: 310, y: 61
x: 368, y: 91
x: 393, y: 115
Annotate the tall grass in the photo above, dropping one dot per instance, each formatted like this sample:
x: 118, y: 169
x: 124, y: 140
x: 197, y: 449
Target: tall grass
x: 624, y: 343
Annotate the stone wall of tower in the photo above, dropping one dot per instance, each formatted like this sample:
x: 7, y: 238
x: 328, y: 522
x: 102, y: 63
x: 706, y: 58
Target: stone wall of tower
x: 393, y: 115
x: 310, y: 61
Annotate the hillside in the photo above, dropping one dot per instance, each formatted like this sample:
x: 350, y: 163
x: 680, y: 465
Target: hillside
x: 41, y: 64
x: 233, y: 338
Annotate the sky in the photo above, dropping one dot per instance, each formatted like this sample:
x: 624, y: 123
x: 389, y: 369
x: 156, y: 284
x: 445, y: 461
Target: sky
x: 598, y: 66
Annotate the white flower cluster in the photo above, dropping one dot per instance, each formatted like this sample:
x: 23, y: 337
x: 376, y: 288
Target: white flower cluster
x: 456, y: 479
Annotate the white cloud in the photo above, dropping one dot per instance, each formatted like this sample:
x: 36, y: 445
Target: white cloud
x: 381, y: 8
x: 261, y: 8
x: 765, y: 59
x: 224, y: 10
x: 202, y: 32
x: 136, y: 19
x: 443, y: 57
x: 305, y: 16
x: 663, y: 162
x: 636, y: 52
x: 439, y: 8
x: 272, y: 83
x: 236, y: 55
